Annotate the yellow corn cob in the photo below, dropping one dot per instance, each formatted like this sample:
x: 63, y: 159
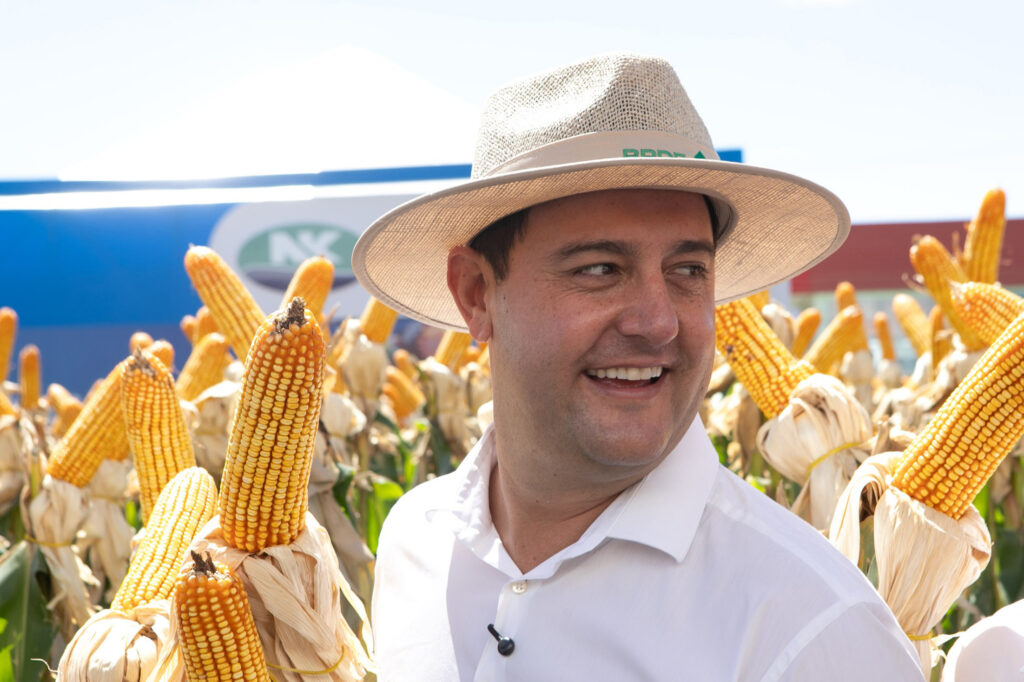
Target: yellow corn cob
x: 30, y: 377
x: 757, y: 356
x: 377, y: 321
x: 263, y: 498
x: 312, y: 283
x: 234, y: 311
x: 403, y: 361
x: 8, y: 330
x: 937, y: 268
x: 218, y: 637
x: 139, y: 340
x: 6, y: 406
x: 988, y: 309
x: 453, y: 345
x: 806, y: 324
x: 846, y: 295
x: 66, y: 406
x: 843, y: 334
x: 205, y: 366
x: 188, y: 326
x: 404, y: 395
x: 949, y: 462
x: 155, y: 426
x: 881, y: 323
x: 941, y: 340
x: 471, y: 354
x: 761, y: 298
x: 205, y: 323
x: 984, y: 243
x: 913, y: 322
x: 163, y: 351
x: 184, y: 506
x: 97, y: 434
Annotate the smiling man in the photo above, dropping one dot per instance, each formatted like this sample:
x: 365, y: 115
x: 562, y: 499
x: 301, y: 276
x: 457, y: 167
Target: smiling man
x: 592, y: 533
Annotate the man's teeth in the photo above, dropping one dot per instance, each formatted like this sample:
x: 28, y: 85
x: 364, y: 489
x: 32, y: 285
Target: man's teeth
x: 626, y: 373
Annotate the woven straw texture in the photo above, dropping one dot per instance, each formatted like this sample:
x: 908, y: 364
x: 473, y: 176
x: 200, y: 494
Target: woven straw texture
x: 604, y: 94
x: 776, y: 225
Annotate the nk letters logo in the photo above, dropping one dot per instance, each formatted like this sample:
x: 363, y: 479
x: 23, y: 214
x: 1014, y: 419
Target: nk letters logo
x: 271, y: 257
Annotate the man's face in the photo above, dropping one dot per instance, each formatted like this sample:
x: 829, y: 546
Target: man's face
x: 602, y: 334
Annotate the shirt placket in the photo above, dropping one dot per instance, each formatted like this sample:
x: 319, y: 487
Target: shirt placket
x: 513, y: 604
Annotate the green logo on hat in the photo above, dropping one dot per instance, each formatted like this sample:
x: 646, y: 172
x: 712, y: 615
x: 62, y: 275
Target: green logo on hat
x: 650, y: 153
x: 270, y: 257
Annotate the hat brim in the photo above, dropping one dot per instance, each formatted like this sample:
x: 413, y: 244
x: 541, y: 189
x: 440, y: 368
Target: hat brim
x: 781, y: 225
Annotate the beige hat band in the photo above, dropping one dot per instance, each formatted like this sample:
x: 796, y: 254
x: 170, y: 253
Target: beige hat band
x: 607, y: 145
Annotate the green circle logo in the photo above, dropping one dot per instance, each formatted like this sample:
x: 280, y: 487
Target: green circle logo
x: 270, y: 257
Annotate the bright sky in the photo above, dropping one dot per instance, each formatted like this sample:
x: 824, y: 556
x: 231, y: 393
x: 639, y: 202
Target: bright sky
x: 907, y: 110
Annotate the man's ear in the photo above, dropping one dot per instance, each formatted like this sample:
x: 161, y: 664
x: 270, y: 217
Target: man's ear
x: 469, y: 279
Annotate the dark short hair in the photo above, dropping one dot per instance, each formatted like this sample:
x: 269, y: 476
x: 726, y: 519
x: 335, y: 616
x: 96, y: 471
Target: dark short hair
x: 495, y: 241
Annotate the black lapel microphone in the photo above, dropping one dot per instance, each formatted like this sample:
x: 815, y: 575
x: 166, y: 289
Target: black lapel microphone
x: 505, y: 644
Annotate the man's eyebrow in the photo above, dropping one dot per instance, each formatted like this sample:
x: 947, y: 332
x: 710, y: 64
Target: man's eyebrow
x: 608, y: 246
x: 618, y: 248
x: 686, y: 246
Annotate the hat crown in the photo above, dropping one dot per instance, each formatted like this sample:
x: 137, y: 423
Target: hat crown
x: 608, y: 93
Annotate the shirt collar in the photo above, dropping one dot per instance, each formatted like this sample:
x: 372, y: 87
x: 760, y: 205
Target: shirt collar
x: 661, y: 511
x: 664, y: 508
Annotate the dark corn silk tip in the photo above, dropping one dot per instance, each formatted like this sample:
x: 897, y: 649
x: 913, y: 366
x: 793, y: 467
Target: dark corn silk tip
x: 295, y: 314
x: 204, y: 566
x: 140, y: 362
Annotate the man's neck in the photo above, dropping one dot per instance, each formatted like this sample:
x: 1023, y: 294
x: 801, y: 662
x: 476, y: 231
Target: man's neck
x: 535, y: 526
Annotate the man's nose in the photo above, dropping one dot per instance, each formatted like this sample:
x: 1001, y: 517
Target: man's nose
x: 649, y: 312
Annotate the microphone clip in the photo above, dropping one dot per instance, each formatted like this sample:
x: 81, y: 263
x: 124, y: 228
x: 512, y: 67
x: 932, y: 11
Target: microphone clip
x: 505, y: 644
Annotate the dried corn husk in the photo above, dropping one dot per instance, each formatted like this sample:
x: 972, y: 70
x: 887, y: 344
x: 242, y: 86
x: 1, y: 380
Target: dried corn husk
x: 923, y: 372
x: 858, y: 500
x: 340, y: 417
x: 209, y: 421
x: 781, y: 322
x: 478, y: 385
x: 953, y: 368
x: 817, y: 441
x: 363, y: 365
x: 858, y: 370
x: 354, y: 557
x: 115, y: 646
x: 105, y: 539
x: 889, y: 374
x: 12, y: 454
x: 888, y: 378
x: 54, y: 517
x: 296, y: 593
x: 446, y: 400
x: 736, y: 417
x: 722, y: 376
x: 925, y: 559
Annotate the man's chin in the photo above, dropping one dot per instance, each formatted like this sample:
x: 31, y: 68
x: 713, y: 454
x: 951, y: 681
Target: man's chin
x: 637, y: 452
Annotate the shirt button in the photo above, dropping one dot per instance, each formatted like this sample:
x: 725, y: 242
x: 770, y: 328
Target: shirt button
x: 519, y: 587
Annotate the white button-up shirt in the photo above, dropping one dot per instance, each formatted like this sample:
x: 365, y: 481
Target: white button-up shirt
x: 688, y: 575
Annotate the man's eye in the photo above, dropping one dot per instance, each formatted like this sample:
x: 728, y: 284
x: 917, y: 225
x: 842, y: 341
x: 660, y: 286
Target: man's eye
x: 596, y: 269
x: 692, y: 270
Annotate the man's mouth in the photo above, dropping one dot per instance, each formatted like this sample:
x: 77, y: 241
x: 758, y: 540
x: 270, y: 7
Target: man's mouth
x: 637, y: 376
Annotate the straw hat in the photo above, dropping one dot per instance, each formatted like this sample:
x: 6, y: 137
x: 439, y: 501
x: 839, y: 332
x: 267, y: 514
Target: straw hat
x: 610, y: 122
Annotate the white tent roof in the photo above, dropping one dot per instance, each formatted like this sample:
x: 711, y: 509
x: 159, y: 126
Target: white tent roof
x: 348, y: 108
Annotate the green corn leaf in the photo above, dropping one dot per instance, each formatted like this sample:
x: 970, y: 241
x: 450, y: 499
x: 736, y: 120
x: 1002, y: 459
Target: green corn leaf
x: 28, y: 632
